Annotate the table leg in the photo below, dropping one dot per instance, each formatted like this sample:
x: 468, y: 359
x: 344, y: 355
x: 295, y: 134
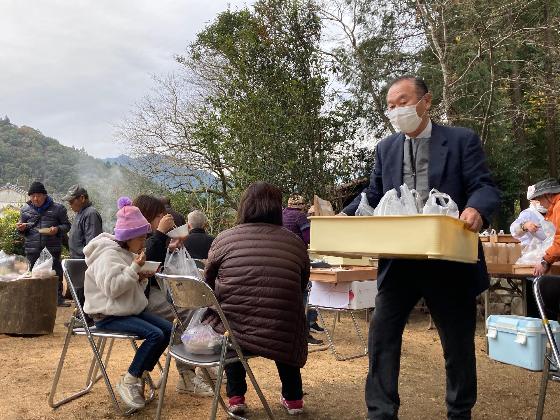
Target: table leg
x: 330, y: 335
x: 524, y: 296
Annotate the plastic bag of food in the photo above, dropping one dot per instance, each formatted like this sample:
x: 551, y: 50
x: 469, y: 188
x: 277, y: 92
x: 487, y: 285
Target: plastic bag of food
x: 199, y: 338
x: 440, y: 203
x: 364, y: 209
x: 409, y: 200
x: 389, y: 204
x: 43, y: 265
x: 534, y: 251
x: 179, y: 262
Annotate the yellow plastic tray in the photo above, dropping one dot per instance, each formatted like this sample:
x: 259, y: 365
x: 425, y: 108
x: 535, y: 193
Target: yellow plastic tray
x: 417, y: 237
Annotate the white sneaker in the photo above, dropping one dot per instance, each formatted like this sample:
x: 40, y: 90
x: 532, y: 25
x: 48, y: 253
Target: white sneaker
x: 130, y: 390
x: 213, y: 371
x: 189, y: 383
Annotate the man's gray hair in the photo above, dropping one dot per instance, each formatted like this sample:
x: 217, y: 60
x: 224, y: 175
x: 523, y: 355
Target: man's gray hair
x: 197, y: 219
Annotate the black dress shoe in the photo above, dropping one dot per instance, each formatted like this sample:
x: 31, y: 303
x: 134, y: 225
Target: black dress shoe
x: 62, y: 303
x: 312, y: 341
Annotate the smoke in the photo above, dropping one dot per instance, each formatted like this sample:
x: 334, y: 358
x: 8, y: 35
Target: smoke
x: 105, y: 183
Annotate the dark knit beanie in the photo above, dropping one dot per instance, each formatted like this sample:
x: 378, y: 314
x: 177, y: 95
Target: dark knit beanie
x: 37, y: 187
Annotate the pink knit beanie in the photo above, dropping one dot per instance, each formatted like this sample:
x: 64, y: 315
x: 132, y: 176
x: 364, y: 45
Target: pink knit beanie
x: 130, y: 222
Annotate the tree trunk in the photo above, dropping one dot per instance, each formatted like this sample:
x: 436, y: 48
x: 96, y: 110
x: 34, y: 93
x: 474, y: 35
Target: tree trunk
x: 550, y: 99
x: 518, y: 125
x: 28, y: 306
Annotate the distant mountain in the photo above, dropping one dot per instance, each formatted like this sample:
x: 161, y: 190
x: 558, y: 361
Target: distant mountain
x: 27, y: 155
x: 168, y: 174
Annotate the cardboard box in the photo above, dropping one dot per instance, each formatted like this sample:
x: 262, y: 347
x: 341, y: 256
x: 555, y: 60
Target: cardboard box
x: 351, y: 295
x: 422, y: 236
x: 501, y: 253
x: 489, y: 251
x: 514, y: 252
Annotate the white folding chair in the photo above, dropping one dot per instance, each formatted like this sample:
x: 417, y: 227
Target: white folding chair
x: 190, y: 293
x: 74, y: 272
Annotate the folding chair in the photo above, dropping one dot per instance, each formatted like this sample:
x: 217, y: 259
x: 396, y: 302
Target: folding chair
x: 552, y: 355
x: 190, y: 293
x: 74, y: 272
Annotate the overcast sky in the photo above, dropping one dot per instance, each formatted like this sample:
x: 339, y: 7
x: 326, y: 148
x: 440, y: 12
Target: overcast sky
x: 73, y: 69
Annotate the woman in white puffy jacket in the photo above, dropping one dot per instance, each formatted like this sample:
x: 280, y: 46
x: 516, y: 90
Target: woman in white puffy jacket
x: 114, y: 295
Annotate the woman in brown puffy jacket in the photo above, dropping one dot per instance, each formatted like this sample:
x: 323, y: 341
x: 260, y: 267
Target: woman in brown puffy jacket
x: 259, y: 271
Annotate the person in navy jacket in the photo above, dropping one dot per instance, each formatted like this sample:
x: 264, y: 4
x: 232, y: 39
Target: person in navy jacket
x: 425, y: 155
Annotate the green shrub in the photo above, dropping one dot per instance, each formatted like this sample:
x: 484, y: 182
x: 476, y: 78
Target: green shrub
x: 11, y: 242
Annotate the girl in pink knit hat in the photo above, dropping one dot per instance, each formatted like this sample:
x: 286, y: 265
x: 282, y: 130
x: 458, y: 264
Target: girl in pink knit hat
x: 114, y: 295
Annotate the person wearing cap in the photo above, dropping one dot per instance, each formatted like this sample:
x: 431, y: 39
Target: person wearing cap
x: 87, y: 223
x: 43, y: 223
x: 547, y: 193
x: 425, y: 155
x: 530, y: 227
x: 294, y: 218
x: 114, y: 286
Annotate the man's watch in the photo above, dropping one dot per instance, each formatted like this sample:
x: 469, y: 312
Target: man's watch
x: 523, y: 228
x: 545, y: 263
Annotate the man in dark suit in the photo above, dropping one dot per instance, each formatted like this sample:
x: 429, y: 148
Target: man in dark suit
x: 425, y: 155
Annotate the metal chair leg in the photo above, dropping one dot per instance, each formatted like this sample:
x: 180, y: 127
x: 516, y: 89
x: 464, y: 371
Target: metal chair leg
x: 58, y: 372
x: 257, y: 388
x: 163, y: 385
x: 220, y: 399
x: 90, y: 378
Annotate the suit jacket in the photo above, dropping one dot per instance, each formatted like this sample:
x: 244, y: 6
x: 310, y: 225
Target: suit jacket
x: 457, y: 166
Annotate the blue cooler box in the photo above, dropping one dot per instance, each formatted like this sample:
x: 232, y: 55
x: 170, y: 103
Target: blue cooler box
x: 518, y: 340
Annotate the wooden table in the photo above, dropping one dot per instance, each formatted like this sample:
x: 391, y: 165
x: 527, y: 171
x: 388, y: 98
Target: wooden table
x: 340, y: 275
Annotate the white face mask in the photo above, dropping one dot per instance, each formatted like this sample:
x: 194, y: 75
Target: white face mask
x: 405, y: 118
x: 538, y: 207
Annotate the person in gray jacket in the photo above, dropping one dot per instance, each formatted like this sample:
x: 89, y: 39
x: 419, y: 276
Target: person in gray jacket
x: 43, y: 223
x: 87, y: 223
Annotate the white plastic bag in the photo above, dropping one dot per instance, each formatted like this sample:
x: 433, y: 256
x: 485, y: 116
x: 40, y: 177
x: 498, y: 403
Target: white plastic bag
x: 389, y: 204
x: 534, y: 251
x: 440, y: 203
x: 199, y: 338
x: 43, y: 265
x: 179, y: 262
x: 409, y: 200
x: 364, y: 209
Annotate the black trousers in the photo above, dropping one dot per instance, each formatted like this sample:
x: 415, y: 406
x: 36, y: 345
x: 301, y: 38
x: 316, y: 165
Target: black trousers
x: 57, y: 267
x: 532, y: 308
x: 290, y: 376
x: 550, y: 291
x: 448, y: 289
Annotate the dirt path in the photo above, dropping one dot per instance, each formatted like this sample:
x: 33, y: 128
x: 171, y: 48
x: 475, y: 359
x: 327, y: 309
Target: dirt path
x: 334, y: 389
